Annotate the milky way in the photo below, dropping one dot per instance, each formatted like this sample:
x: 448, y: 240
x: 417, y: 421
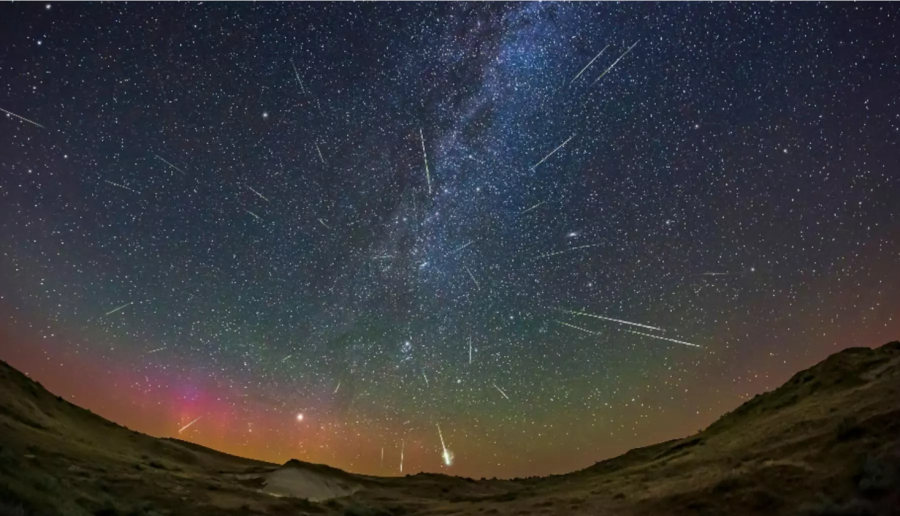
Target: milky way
x: 325, y: 231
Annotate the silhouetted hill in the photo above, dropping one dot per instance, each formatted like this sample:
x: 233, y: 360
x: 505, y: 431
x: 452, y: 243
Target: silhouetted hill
x: 827, y: 442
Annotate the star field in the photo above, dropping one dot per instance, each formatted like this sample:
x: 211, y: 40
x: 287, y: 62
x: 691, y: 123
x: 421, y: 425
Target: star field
x: 506, y: 239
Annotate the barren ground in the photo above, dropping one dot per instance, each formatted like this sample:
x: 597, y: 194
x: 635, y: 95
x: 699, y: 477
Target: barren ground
x: 825, y: 443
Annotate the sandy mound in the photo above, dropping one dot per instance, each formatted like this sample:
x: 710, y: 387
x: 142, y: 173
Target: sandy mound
x: 302, y: 483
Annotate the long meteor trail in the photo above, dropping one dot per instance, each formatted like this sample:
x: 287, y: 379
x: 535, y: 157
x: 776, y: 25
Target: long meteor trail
x: 615, y: 63
x: 563, y: 144
x: 185, y: 427
x: 263, y: 197
x: 579, y: 328
x: 114, y: 310
x: 589, y: 64
x: 425, y: 155
x: 22, y: 118
x: 501, y: 391
x: 460, y: 248
x: 122, y: 186
x: 620, y: 321
x: 546, y: 255
x: 663, y: 338
x: 446, y: 455
x: 473, y: 278
x: 157, y: 156
x: 533, y: 207
x: 297, y: 75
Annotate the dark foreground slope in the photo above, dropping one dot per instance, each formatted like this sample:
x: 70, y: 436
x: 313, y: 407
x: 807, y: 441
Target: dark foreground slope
x: 825, y: 443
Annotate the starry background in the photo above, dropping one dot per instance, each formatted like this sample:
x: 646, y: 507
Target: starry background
x: 224, y: 212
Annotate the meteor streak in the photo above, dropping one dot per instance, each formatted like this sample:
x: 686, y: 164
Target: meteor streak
x: 297, y: 75
x: 501, y: 391
x: 533, y: 207
x: 336, y: 388
x: 563, y: 144
x: 122, y: 186
x: 460, y: 248
x: 614, y: 63
x: 614, y: 320
x: 579, y: 328
x: 473, y: 277
x: 663, y: 338
x: 157, y: 156
x: 546, y: 255
x: 114, y: 310
x: 426, y: 379
x: 446, y: 455
x: 263, y: 197
x: 155, y: 350
x: 257, y: 217
x: 470, y: 350
x: 324, y: 224
x: 320, y: 153
x: 425, y: 155
x: 185, y: 427
x: 589, y: 64
x: 402, y: 447
x: 287, y: 357
x: 22, y: 118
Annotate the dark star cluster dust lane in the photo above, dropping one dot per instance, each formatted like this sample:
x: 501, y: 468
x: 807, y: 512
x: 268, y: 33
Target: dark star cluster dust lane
x: 504, y: 240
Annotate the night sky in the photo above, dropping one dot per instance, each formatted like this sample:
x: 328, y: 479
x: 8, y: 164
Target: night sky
x: 543, y: 234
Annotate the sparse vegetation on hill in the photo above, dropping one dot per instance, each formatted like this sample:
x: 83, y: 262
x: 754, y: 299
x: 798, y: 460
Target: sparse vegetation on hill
x: 827, y: 442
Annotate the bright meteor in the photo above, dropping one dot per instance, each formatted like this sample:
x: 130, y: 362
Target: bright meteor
x: 589, y: 64
x: 185, y: 427
x: 662, y: 338
x: 114, y: 310
x: 501, y: 391
x: 563, y: 144
x: 620, y: 321
x: 425, y: 156
x: 446, y: 455
x: 263, y: 197
x: 615, y: 63
x: 22, y: 118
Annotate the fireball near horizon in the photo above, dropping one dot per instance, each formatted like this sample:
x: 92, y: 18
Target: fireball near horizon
x: 503, y: 239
